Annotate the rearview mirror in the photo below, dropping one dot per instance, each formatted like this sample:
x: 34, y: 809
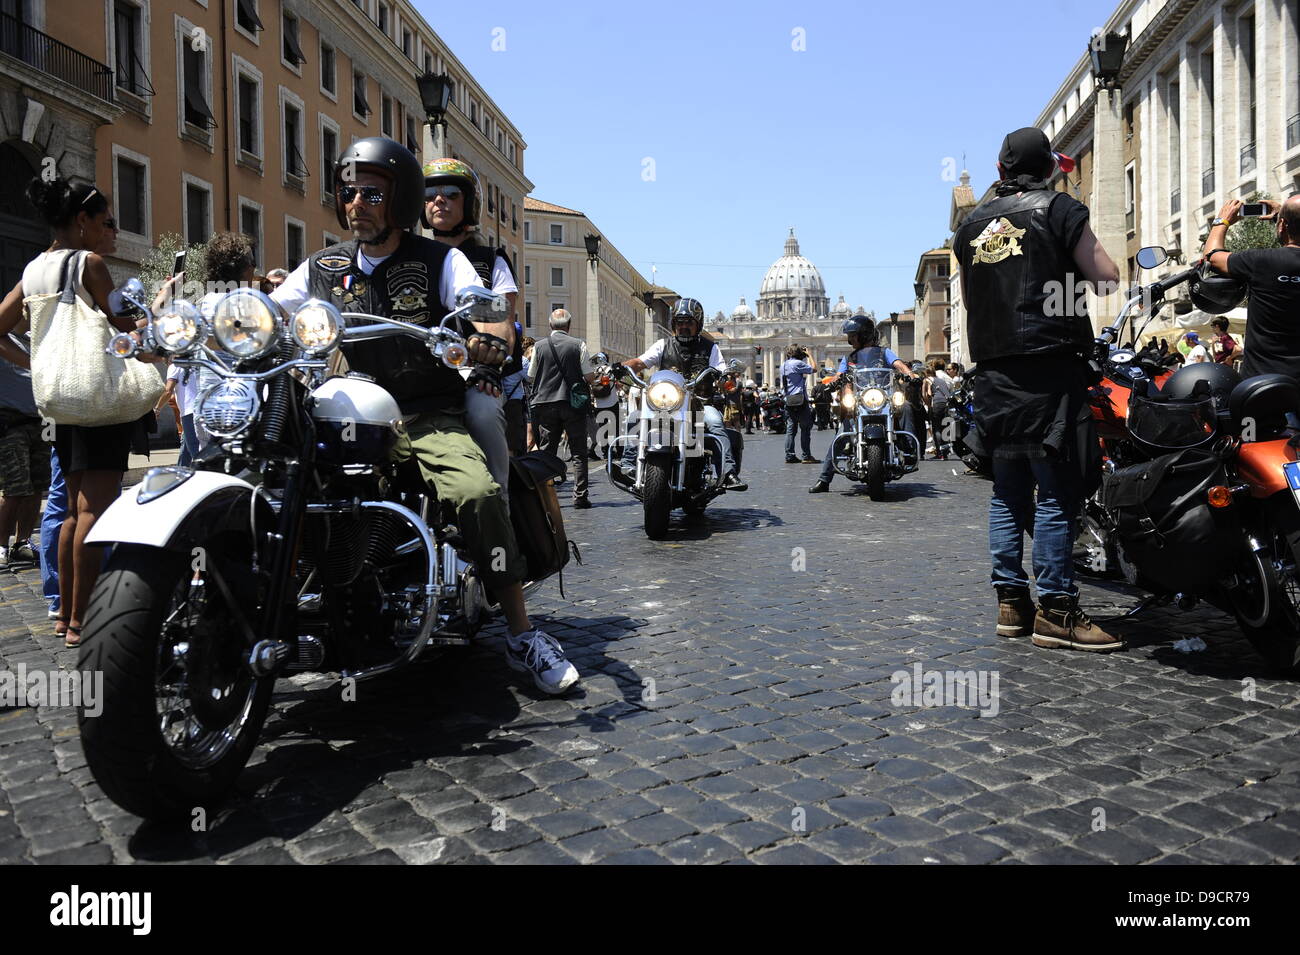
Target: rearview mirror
x: 483, y: 304
x: 601, y: 358
x: 1151, y: 257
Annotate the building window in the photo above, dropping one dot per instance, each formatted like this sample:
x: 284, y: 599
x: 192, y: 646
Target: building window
x: 195, y: 109
x: 129, y: 42
x: 250, y: 223
x: 246, y: 17
x: 528, y: 313
x: 386, y: 114
x: 381, y: 18
x: 1175, y: 118
x: 528, y: 231
x: 556, y: 306
x: 406, y: 43
x: 327, y: 79
x: 291, y: 50
x: 360, y: 106
x: 329, y: 154
x: 198, y: 213
x: 295, y: 242
x: 1130, y: 198
x: 528, y: 275
x: 557, y: 278
x: 557, y: 234
x: 247, y: 107
x: 329, y: 238
x: 1207, y: 122
x: 294, y: 163
x: 412, y: 137
x: 1246, y: 44
x: 132, y: 215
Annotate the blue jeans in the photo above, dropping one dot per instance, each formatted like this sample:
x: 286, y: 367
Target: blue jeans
x: 56, y: 509
x: 189, y: 441
x: 796, y: 418
x: 1055, y: 520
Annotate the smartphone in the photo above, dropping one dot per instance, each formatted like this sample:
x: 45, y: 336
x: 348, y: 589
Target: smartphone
x: 1254, y: 210
x: 178, y: 264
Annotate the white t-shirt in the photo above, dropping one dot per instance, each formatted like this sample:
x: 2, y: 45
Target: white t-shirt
x: 1197, y: 355
x: 457, y: 274
x: 502, y: 281
x: 187, y: 386
x: 654, y: 355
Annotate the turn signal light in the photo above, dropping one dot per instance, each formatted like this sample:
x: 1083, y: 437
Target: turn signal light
x: 1219, y: 496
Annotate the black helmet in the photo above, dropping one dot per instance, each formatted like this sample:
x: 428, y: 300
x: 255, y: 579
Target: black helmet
x: 864, y: 328
x: 1219, y: 381
x: 1214, y: 293
x: 389, y: 158
x: 689, y: 308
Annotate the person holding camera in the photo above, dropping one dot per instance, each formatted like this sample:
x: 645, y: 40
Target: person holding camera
x: 1274, y: 279
x: 798, y: 407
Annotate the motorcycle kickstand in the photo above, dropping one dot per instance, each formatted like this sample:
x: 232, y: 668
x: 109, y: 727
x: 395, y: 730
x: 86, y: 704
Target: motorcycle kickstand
x: 1145, y: 604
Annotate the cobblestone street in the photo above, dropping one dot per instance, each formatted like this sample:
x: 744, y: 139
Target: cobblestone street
x: 736, y: 705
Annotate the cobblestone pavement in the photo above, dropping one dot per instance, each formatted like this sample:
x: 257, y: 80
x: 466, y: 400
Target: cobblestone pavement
x: 733, y: 708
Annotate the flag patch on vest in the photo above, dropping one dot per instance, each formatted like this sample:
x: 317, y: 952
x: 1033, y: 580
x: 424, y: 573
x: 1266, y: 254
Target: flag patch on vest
x: 999, y: 240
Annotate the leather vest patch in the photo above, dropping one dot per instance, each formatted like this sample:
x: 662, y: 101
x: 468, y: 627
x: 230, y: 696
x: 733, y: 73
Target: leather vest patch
x: 998, y: 240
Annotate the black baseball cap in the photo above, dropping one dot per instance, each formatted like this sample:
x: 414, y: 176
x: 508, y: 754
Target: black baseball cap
x: 1027, y: 152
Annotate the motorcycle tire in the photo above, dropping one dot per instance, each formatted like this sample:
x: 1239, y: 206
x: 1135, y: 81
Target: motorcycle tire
x: 875, y: 471
x: 1277, y: 639
x: 124, y: 745
x: 656, y: 499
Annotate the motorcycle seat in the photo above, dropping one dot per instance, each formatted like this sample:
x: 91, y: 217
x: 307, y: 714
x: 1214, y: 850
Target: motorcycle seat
x: 1266, y: 400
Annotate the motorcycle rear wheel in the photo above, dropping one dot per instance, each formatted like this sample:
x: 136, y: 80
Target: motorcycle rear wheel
x: 1277, y: 639
x: 656, y: 499
x: 181, y: 711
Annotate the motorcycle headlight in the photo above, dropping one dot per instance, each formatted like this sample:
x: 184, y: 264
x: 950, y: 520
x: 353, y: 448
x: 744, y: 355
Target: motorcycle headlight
x: 899, y: 399
x: 178, y: 329
x: 316, y: 327
x: 874, y: 399
x: 244, y: 322
x: 229, y: 408
x: 848, y: 400
x: 664, y: 396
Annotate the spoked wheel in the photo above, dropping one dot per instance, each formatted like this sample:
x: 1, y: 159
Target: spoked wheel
x: 1267, y: 604
x: 182, y: 710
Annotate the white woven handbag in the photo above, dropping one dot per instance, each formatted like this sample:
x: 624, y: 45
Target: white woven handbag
x: 74, y: 379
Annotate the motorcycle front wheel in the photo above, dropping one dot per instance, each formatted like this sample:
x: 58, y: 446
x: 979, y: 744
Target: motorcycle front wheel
x: 875, y: 471
x: 181, y: 710
x: 656, y: 498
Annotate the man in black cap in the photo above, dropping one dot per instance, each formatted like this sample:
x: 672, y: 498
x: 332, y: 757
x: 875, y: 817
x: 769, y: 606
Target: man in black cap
x: 1024, y: 256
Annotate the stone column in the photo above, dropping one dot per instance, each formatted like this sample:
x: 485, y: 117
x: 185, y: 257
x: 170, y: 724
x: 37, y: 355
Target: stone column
x: 1108, y: 196
x: 593, y: 338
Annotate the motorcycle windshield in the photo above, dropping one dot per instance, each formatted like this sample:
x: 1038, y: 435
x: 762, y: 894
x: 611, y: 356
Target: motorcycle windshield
x: 1172, y: 425
x: 882, y: 378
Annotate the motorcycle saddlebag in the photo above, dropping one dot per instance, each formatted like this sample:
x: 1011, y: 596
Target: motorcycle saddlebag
x: 536, y: 516
x: 1165, y: 522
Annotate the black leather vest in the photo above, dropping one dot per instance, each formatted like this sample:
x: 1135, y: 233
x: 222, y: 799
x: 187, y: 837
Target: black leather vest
x: 404, y: 286
x: 1022, y: 297
x: 690, y: 360
x: 483, y: 258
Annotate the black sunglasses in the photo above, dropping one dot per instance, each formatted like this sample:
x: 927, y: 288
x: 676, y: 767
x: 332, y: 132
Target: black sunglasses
x: 450, y: 192
x: 110, y: 223
x: 371, y: 194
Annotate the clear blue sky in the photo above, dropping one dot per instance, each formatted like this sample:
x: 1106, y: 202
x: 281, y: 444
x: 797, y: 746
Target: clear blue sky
x: 846, y: 140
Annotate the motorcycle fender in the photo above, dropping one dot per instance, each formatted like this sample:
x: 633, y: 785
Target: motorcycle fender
x: 180, y: 517
x: 873, y: 433
x: 1259, y: 464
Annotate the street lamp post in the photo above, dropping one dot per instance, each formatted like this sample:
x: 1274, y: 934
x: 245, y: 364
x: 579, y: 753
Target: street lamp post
x: 1106, y: 52
x: 592, y: 242
x: 435, y: 95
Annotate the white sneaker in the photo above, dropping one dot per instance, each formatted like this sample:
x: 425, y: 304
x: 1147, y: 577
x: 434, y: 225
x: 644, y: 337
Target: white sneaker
x: 540, y: 654
x: 4, y: 558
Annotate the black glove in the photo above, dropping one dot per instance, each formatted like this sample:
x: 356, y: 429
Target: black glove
x: 616, y: 369
x: 501, y: 350
x: 485, y: 373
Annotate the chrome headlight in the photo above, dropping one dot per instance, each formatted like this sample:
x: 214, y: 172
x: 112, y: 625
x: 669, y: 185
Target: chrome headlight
x: 899, y: 399
x: 874, y: 399
x: 316, y: 327
x: 179, y: 328
x: 665, y: 396
x: 245, y: 324
x: 229, y: 408
x: 848, y: 400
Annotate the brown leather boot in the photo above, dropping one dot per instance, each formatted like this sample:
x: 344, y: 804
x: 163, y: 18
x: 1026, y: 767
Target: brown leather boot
x: 1015, y: 611
x: 1060, y: 624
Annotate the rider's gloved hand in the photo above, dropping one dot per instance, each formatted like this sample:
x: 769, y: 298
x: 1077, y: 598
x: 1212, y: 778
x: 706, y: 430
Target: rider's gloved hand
x: 486, y: 378
x: 486, y: 349
x: 616, y: 369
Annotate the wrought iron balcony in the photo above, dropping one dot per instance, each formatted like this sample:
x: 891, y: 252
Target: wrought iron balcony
x: 42, y: 52
x: 1247, y: 159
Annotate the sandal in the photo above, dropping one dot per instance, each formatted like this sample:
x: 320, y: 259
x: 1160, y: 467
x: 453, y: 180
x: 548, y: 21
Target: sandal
x: 72, y: 637
x: 61, y: 626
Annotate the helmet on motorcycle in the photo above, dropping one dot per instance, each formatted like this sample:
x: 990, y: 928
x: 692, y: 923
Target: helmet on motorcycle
x: 1219, y: 380
x: 687, y: 309
x: 862, y: 327
x: 454, y: 172
x: 388, y: 158
x: 1214, y: 293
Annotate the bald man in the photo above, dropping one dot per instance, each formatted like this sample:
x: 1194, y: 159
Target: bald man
x: 1273, y: 313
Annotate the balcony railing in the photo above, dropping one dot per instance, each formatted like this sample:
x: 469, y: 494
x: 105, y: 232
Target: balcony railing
x: 1175, y: 202
x: 1247, y: 159
x: 43, y: 52
x: 1207, y: 182
x: 1293, y: 131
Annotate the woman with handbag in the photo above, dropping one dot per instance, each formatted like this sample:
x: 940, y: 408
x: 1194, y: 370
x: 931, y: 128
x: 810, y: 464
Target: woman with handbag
x: 95, y: 406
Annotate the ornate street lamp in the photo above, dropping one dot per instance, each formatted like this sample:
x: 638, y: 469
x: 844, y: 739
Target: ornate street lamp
x: 1107, y: 53
x: 919, y: 288
x: 592, y: 241
x: 435, y: 95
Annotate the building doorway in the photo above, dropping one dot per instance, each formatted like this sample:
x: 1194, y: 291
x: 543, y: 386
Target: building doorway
x: 22, y: 233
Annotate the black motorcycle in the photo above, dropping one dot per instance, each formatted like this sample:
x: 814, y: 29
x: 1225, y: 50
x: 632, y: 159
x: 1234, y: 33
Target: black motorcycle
x: 959, y: 426
x: 774, y: 413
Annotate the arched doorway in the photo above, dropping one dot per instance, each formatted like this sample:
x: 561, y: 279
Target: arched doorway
x: 22, y: 233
